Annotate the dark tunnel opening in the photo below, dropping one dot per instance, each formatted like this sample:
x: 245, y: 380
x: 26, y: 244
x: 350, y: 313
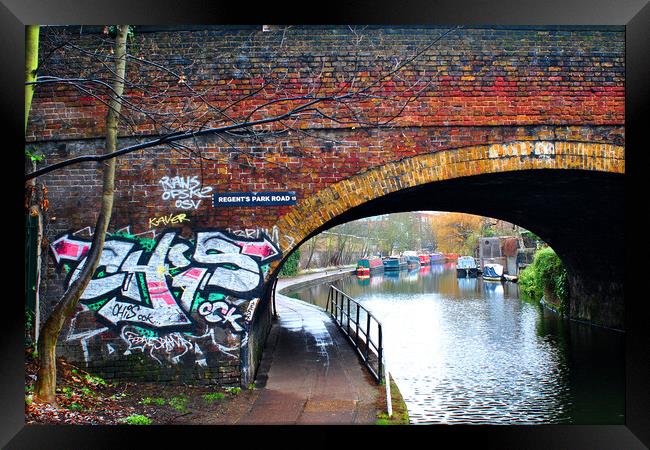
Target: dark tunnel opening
x: 578, y: 213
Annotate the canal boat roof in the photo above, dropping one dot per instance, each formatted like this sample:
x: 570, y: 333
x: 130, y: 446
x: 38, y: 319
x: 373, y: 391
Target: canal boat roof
x: 370, y: 261
x: 466, y: 262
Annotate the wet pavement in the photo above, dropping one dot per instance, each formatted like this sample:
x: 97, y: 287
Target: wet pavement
x: 309, y: 373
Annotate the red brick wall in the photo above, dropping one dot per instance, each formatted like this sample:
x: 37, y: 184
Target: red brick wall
x: 304, y: 165
x: 478, y: 76
x: 487, y: 85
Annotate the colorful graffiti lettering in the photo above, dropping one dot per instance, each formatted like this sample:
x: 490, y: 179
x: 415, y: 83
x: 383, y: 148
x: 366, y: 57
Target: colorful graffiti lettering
x: 170, y: 287
x: 185, y: 191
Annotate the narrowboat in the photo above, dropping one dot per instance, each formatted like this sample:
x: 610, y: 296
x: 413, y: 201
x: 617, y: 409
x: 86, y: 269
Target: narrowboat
x: 466, y: 267
x: 425, y: 260
x: 366, y: 266
x: 437, y: 258
x: 394, y: 262
x: 412, y: 260
x: 451, y: 256
x: 492, y: 272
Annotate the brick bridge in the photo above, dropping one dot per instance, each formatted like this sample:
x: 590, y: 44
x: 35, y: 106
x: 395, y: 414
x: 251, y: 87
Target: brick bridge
x: 525, y: 124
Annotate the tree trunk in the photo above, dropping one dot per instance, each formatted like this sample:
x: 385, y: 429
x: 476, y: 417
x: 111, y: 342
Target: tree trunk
x: 45, y: 388
x: 328, y: 259
x: 312, y: 248
x: 31, y: 64
x: 339, y: 255
x: 35, y: 211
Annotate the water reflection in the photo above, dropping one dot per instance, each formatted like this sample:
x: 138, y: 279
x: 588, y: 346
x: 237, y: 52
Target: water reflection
x: 467, y: 351
x: 468, y: 286
x: 493, y: 289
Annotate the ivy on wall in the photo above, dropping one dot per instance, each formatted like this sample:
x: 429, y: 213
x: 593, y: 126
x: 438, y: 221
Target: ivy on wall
x: 546, y: 274
x: 290, y: 267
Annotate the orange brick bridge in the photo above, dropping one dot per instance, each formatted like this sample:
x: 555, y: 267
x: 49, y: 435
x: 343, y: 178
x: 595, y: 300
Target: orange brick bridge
x: 525, y: 124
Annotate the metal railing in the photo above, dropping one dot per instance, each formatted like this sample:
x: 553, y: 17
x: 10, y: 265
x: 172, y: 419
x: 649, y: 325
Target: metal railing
x: 273, y: 287
x: 360, y: 327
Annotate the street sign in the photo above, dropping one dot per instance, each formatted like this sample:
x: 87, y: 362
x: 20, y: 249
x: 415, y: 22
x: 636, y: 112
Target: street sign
x: 226, y: 199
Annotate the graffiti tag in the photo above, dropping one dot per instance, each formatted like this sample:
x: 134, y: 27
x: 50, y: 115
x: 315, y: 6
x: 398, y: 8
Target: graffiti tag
x: 255, y: 233
x: 186, y: 192
x: 167, y: 220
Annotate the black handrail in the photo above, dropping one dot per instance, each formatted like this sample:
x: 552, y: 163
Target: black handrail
x: 369, y: 348
x: 275, y: 308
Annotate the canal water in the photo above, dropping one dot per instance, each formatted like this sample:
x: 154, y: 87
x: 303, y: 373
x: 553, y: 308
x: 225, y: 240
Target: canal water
x: 465, y: 351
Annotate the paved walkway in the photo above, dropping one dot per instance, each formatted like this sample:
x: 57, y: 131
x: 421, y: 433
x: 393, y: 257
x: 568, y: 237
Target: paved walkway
x: 309, y: 373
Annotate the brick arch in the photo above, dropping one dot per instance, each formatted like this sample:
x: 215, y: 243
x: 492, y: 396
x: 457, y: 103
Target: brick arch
x: 315, y: 211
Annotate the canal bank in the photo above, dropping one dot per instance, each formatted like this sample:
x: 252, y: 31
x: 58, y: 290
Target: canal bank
x: 309, y: 373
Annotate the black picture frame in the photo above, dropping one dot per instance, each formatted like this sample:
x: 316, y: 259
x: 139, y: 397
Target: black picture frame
x: 633, y: 14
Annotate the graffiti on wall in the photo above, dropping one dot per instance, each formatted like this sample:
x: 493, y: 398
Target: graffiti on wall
x: 273, y: 233
x: 167, y: 220
x: 169, y: 295
x: 185, y: 192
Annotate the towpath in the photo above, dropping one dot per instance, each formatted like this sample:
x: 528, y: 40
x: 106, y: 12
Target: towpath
x: 309, y: 374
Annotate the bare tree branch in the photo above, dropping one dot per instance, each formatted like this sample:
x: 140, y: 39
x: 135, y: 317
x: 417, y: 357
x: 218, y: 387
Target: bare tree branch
x: 193, y: 121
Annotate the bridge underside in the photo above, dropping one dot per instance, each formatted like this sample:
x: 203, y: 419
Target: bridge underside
x: 578, y: 213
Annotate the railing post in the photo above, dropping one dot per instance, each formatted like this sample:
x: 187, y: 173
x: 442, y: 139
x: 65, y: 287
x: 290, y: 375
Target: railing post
x: 327, y: 304
x: 348, y: 299
x: 356, y: 333
x: 380, y: 351
x: 338, y: 307
x: 367, y: 335
x: 329, y: 294
x: 389, y: 400
x: 275, y: 308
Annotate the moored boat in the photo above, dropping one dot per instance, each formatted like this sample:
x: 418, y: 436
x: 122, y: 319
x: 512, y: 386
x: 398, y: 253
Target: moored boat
x: 466, y: 267
x: 369, y: 265
x: 412, y: 260
x: 451, y: 256
x: 492, y: 272
x: 425, y: 260
x: 394, y: 262
x: 437, y: 258
x: 390, y: 263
